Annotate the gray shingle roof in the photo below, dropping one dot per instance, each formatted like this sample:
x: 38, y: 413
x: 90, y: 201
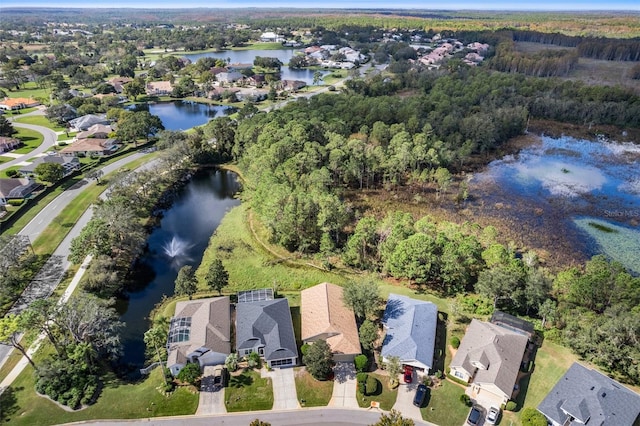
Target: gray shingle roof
x: 588, y: 395
x: 268, y: 322
x: 411, y: 329
x: 493, y: 353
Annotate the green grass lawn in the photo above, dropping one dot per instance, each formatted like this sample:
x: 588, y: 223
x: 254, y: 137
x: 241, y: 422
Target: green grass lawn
x: 22, y: 406
x: 385, y: 396
x: 29, y: 90
x: 249, y: 392
x: 250, y: 266
x: 30, y: 138
x: 551, y: 362
x: 443, y: 406
x: 40, y: 120
x: 314, y: 393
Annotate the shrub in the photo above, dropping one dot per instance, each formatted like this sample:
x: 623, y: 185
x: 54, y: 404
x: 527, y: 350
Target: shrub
x: 231, y: 362
x: 361, y: 379
x: 465, y: 399
x: 371, y: 385
x: 16, y: 203
x: 533, y: 417
x: 12, y: 173
x: 511, y: 406
x: 455, y: 342
x: 361, y: 362
x: 304, y: 349
x: 190, y: 373
x: 254, y: 360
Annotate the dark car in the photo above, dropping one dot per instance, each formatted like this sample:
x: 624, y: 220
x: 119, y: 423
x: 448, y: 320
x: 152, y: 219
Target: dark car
x: 474, y: 416
x: 408, y: 374
x: 421, y: 395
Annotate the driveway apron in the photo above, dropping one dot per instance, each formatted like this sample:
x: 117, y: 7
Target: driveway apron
x: 344, y: 386
x: 284, y: 388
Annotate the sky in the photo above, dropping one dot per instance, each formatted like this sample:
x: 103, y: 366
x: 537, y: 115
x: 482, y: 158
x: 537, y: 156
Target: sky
x: 368, y: 4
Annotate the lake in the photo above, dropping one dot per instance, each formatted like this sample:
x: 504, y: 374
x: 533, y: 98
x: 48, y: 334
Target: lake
x: 247, y: 57
x: 583, y: 195
x: 180, y: 239
x: 183, y: 115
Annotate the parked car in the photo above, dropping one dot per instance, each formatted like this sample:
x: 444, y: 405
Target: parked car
x: 475, y: 414
x: 492, y: 416
x: 408, y: 374
x: 421, y: 395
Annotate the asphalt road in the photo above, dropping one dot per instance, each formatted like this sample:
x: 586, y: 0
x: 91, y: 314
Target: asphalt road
x: 307, y: 416
x: 50, y: 139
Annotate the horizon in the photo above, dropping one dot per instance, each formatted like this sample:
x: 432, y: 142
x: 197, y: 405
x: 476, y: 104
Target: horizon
x: 460, y: 5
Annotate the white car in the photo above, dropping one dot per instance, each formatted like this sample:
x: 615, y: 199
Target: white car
x: 492, y: 416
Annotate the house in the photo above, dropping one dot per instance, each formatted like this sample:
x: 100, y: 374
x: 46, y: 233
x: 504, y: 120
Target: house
x: 10, y: 104
x: 70, y: 164
x: 119, y: 82
x: 264, y: 325
x: 489, y: 358
x: 200, y: 331
x: 325, y: 317
x: 410, y: 327
x: 229, y: 77
x: 587, y: 397
x: 291, y: 85
x: 159, y: 88
x: 98, y: 131
x: 13, y: 188
x: 7, y: 144
x: 83, y: 123
x: 271, y: 37
x: 91, y: 147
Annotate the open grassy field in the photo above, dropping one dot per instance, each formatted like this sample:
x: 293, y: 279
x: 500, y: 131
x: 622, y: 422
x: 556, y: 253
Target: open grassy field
x: 248, y: 392
x: 251, y: 266
x: 589, y: 71
x: 314, y: 393
x: 29, y: 90
x: 22, y: 406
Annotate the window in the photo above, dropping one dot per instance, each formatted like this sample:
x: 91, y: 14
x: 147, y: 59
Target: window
x: 458, y: 374
x: 179, y: 330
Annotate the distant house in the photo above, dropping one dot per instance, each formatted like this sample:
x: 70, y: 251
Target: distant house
x: 91, y: 147
x: 70, y: 164
x: 271, y: 37
x: 98, y: 131
x: 264, y: 325
x: 7, y: 144
x: 15, y: 188
x: 217, y: 70
x: 325, y: 317
x: 291, y: 85
x: 489, y: 358
x: 200, y: 331
x: 410, y: 327
x: 10, y: 104
x: 229, y: 77
x: 83, y: 123
x: 587, y: 397
x: 119, y: 82
x: 159, y: 88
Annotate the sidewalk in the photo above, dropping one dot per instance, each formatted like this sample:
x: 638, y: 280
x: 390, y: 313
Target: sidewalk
x: 34, y: 347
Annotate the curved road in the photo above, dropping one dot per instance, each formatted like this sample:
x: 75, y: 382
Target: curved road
x: 50, y: 139
x: 305, y: 416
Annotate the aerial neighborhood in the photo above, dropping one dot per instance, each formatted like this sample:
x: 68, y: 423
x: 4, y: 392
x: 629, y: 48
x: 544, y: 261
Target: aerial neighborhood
x: 319, y: 216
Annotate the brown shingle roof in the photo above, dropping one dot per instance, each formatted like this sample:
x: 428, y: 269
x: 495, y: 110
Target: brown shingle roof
x: 325, y: 316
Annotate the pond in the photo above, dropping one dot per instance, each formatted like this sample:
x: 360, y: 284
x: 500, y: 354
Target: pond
x: 247, y: 57
x: 180, y: 239
x: 587, y: 192
x: 183, y: 115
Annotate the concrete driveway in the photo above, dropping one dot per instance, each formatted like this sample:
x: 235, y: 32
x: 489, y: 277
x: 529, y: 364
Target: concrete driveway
x: 211, y: 399
x: 344, y: 386
x: 284, y: 388
x: 404, y: 401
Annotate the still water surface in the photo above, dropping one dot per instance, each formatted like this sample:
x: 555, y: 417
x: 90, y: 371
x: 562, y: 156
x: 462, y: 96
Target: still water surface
x: 180, y: 240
